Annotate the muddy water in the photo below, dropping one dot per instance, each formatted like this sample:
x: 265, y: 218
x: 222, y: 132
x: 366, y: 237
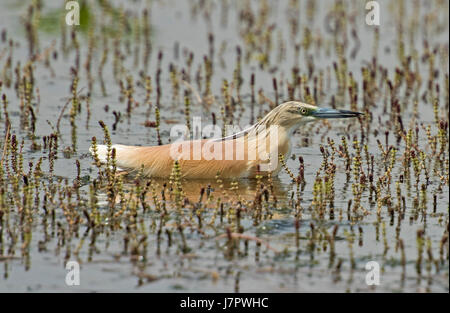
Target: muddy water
x: 277, y: 264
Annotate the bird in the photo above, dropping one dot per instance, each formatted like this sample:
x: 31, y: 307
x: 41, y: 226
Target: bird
x: 244, y: 154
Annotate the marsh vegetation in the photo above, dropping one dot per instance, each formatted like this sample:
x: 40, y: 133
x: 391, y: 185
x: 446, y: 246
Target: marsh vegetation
x: 375, y: 188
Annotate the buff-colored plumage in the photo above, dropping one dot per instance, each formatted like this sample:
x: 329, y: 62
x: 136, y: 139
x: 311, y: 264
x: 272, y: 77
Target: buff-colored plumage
x: 254, y: 149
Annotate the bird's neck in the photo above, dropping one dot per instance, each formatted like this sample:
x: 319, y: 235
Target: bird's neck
x: 277, y: 138
x: 284, y: 141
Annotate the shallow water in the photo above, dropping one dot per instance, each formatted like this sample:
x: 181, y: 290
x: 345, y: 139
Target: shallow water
x: 210, y: 263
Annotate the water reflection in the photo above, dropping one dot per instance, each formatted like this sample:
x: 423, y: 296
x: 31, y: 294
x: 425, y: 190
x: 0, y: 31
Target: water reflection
x: 232, y: 192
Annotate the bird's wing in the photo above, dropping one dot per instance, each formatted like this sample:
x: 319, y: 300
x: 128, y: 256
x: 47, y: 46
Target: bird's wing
x: 158, y: 161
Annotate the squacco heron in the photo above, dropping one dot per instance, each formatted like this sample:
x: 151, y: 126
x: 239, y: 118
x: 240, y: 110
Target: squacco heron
x: 241, y: 155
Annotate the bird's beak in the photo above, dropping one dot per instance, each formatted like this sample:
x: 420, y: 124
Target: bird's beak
x: 333, y: 113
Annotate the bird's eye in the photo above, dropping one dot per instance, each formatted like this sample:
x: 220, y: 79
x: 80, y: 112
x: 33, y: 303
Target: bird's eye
x: 303, y: 111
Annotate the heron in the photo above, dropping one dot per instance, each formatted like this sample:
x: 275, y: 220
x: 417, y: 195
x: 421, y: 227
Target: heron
x: 241, y: 155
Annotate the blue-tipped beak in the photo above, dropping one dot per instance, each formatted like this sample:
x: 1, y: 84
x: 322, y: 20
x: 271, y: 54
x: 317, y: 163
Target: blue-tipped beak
x: 333, y: 113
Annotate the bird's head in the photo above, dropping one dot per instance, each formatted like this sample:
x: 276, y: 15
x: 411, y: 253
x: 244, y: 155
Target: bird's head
x: 295, y: 113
